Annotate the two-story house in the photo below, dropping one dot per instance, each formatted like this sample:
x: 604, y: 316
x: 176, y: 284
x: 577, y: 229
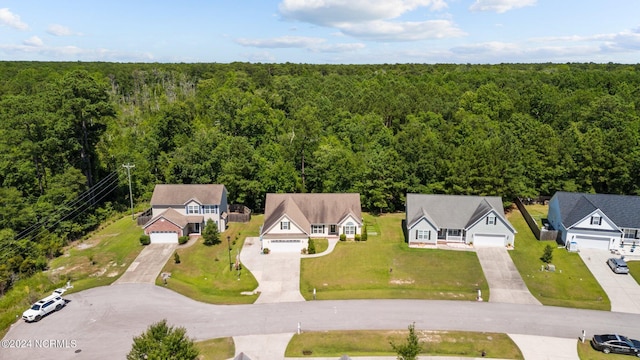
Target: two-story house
x: 184, y: 209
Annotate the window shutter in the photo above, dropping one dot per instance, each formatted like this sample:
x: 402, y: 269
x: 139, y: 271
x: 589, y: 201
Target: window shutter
x: 428, y: 235
x: 417, y: 234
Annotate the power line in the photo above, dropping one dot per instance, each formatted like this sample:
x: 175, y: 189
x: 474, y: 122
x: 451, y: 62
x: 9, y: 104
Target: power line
x: 129, y: 166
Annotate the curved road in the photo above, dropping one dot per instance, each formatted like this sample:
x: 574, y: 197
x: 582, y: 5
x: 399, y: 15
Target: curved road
x: 100, y: 323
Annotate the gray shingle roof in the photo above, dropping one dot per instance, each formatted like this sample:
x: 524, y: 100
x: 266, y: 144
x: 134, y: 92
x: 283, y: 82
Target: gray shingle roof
x: 179, y: 194
x: 314, y: 208
x: 452, y: 211
x: 623, y: 210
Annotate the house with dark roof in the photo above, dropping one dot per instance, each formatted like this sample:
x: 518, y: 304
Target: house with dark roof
x: 291, y: 219
x: 457, y: 219
x: 184, y: 209
x: 595, y: 221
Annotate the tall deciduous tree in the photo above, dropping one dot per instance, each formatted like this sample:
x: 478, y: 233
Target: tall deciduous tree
x: 163, y: 342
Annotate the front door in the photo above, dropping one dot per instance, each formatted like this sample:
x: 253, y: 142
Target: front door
x: 196, y: 228
x: 333, y: 229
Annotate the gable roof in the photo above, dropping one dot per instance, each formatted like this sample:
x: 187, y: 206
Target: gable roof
x: 179, y: 194
x: 623, y: 210
x: 307, y: 209
x: 452, y: 211
x: 176, y: 218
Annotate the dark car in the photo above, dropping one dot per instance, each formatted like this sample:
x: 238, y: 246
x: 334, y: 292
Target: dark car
x: 614, y: 343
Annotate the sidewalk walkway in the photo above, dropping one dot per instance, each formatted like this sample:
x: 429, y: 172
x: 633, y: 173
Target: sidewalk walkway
x: 273, y: 347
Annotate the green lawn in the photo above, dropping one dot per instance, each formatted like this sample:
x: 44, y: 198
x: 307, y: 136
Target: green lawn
x: 571, y: 285
x: 634, y: 269
x: 98, y: 260
x: 216, y: 349
x: 204, y: 274
x: 538, y: 212
x: 376, y: 343
x: 385, y: 268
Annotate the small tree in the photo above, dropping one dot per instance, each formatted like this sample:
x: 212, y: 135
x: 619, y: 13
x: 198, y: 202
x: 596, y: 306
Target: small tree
x: 210, y: 233
x: 312, y: 247
x: 161, y: 342
x: 364, y: 235
x: 547, y: 256
x: 176, y: 258
x: 410, y: 349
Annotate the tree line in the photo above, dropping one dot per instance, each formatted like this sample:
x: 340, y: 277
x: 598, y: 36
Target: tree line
x: 380, y: 130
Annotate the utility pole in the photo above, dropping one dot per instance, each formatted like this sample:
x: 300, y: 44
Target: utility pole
x: 129, y: 166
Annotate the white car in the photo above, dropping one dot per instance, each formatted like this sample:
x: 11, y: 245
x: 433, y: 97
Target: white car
x: 45, y: 306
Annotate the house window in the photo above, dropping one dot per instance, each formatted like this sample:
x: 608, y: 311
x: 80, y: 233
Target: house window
x: 630, y: 233
x: 284, y: 225
x: 193, y: 209
x: 423, y: 235
x: 349, y: 229
x: 596, y: 220
x: 317, y: 229
x: 454, y: 232
x: 214, y: 209
x: 491, y: 220
x: 206, y: 209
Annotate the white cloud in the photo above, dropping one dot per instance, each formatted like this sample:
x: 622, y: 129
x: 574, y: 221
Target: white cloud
x: 33, y: 41
x: 70, y: 53
x: 60, y: 30
x: 10, y: 19
x: 403, y: 31
x: 500, y: 6
x: 310, y: 43
x: 371, y: 19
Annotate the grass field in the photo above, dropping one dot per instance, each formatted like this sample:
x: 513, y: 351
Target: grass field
x: 216, y: 349
x: 204, y: 273
x: 377, y: 343
x: 385, y: 268
x: 571, y: 285
x: 98, y: 260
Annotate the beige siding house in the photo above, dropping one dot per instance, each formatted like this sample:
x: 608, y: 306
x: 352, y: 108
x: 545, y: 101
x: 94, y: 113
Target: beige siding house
x: 291, y: 219
x: 183, y: 209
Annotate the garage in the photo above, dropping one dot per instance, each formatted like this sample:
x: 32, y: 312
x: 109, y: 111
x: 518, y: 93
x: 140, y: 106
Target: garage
x: 284, y: 245
x: 592, y: 242
x: 489, y: 240
x: 163, y: 237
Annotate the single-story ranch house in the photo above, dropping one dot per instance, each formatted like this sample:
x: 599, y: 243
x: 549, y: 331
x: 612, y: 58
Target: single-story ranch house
x: 291, y: 219
x: 595, y: 221
x: 451, y: 219
x: 183, y: 209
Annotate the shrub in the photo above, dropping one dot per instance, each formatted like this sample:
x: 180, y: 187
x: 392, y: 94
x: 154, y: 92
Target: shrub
x: 210, y: 233
x: 312, y: 247
x: 266, y: 251
x: 183, y: 239
x: 343, y: 237
x: 176, y: 258
x: 304, y: 251
x: 357, y: 237
x: 364, y: 235
x: 145, y: 239
x: 547, y: 256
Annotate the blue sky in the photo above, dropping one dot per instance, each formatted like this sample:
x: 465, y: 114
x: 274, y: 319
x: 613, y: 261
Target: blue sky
x: 322, y: 31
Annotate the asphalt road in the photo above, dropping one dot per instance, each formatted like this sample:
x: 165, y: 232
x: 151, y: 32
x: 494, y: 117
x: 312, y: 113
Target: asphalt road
x: 100, y: 323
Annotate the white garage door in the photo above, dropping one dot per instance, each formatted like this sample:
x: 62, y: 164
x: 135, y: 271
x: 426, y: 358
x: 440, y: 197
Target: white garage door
x: 482, y: 240
x: 592, y: 242
x: 158, y: 237
x: 284, y: 245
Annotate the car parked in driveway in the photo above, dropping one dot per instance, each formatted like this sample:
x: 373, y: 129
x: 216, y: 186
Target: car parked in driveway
x: 618, y: 265
x: 614, y: 343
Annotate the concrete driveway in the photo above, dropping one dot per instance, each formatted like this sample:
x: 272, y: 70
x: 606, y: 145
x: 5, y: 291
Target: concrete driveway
x: 623, y: 290
x: 278, y: 274
x: 148, y: 264
x: 505, y: 283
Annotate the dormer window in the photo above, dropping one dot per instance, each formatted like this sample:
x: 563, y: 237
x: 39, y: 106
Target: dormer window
x: 596, y: 220
x: 491, y: 220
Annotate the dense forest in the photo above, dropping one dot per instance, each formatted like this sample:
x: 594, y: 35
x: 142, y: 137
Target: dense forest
x: 380, y: 130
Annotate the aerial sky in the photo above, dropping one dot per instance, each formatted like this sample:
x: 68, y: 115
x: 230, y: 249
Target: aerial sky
x: 322, y: 31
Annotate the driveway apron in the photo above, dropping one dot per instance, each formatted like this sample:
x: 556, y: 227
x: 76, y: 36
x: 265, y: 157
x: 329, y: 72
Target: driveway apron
x: 505, y: 283
x: 148, y: 264
x: 623, y: 290
x: 278, y: 274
